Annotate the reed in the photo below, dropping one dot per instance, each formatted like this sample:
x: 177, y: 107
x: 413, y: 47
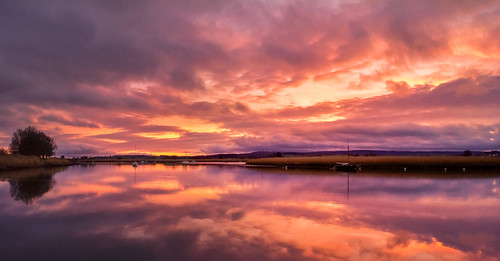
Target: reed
x: 23, y: 161
x: 386, y: 162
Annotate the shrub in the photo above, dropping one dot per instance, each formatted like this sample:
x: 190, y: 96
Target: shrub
x: 467, y: 153
x: 31, y: 141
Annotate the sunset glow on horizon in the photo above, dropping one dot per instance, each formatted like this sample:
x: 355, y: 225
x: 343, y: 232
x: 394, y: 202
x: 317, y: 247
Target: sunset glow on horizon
x: 207, y: 77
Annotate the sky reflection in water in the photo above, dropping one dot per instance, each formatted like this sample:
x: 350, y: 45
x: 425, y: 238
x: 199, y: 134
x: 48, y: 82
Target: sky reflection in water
x: 233, y: 213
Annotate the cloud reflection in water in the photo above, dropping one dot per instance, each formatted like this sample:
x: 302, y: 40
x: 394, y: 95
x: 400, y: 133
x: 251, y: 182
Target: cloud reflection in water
x: 211, y: 213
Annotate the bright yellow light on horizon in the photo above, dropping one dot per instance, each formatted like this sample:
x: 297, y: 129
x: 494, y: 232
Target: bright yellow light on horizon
x: 160, y: 135
x: 162, y: 153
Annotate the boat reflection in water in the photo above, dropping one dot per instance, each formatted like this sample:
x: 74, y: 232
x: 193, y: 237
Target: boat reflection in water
x: 194, y: 212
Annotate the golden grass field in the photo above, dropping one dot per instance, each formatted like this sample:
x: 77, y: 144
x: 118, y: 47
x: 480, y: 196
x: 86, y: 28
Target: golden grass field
x: 22, y: 161
x: 386, y: 162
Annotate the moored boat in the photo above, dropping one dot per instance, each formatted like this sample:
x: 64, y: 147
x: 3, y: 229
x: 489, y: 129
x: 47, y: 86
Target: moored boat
x: 346, y: 167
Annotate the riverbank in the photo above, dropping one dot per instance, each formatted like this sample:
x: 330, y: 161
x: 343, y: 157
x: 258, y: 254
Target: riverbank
x: 405, y: 163
x: 148, y: 160
x: 8, y: 162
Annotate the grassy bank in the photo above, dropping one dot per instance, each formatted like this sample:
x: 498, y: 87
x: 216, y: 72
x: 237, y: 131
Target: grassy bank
x: 452, y: 163
x: 21, y: 161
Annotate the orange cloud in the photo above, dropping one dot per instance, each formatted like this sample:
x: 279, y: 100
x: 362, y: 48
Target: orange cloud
x: 192, y: 80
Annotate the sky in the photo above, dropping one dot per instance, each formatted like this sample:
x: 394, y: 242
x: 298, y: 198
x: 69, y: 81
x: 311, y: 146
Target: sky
x: 205, y: 77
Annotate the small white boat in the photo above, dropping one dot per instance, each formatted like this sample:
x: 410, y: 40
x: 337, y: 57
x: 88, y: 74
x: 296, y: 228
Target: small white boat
x: 135, y: 164
x: 187, y: 162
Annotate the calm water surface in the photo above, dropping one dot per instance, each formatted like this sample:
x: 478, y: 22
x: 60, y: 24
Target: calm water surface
x: 158, y: 212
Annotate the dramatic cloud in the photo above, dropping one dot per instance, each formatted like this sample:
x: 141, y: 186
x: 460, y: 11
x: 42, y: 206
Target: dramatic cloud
x: 235, y: 76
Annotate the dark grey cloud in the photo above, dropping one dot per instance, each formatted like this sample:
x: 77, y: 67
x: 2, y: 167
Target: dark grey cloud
x: 78, y: 149
x: 88, y: 57
x: 76, y: 123
x: 58, y: 47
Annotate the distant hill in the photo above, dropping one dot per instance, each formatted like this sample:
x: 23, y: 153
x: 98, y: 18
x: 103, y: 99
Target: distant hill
x: 267, y: 154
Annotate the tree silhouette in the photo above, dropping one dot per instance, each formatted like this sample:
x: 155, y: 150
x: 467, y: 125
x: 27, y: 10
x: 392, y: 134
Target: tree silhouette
x: 31, y: 141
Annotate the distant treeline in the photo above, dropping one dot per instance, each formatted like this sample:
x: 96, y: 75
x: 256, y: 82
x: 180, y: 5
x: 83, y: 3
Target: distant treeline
x: 272, y: 154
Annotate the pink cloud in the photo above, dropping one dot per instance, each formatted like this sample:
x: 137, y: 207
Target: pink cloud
x: 263, y: 73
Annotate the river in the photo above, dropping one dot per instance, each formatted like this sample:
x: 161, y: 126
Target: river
x: 158, y: 212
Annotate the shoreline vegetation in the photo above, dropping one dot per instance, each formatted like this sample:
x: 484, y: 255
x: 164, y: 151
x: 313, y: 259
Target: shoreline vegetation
x: 456, y: 164
x: 12, y: 162
x: 441, y: 163
x: 403, y: 163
